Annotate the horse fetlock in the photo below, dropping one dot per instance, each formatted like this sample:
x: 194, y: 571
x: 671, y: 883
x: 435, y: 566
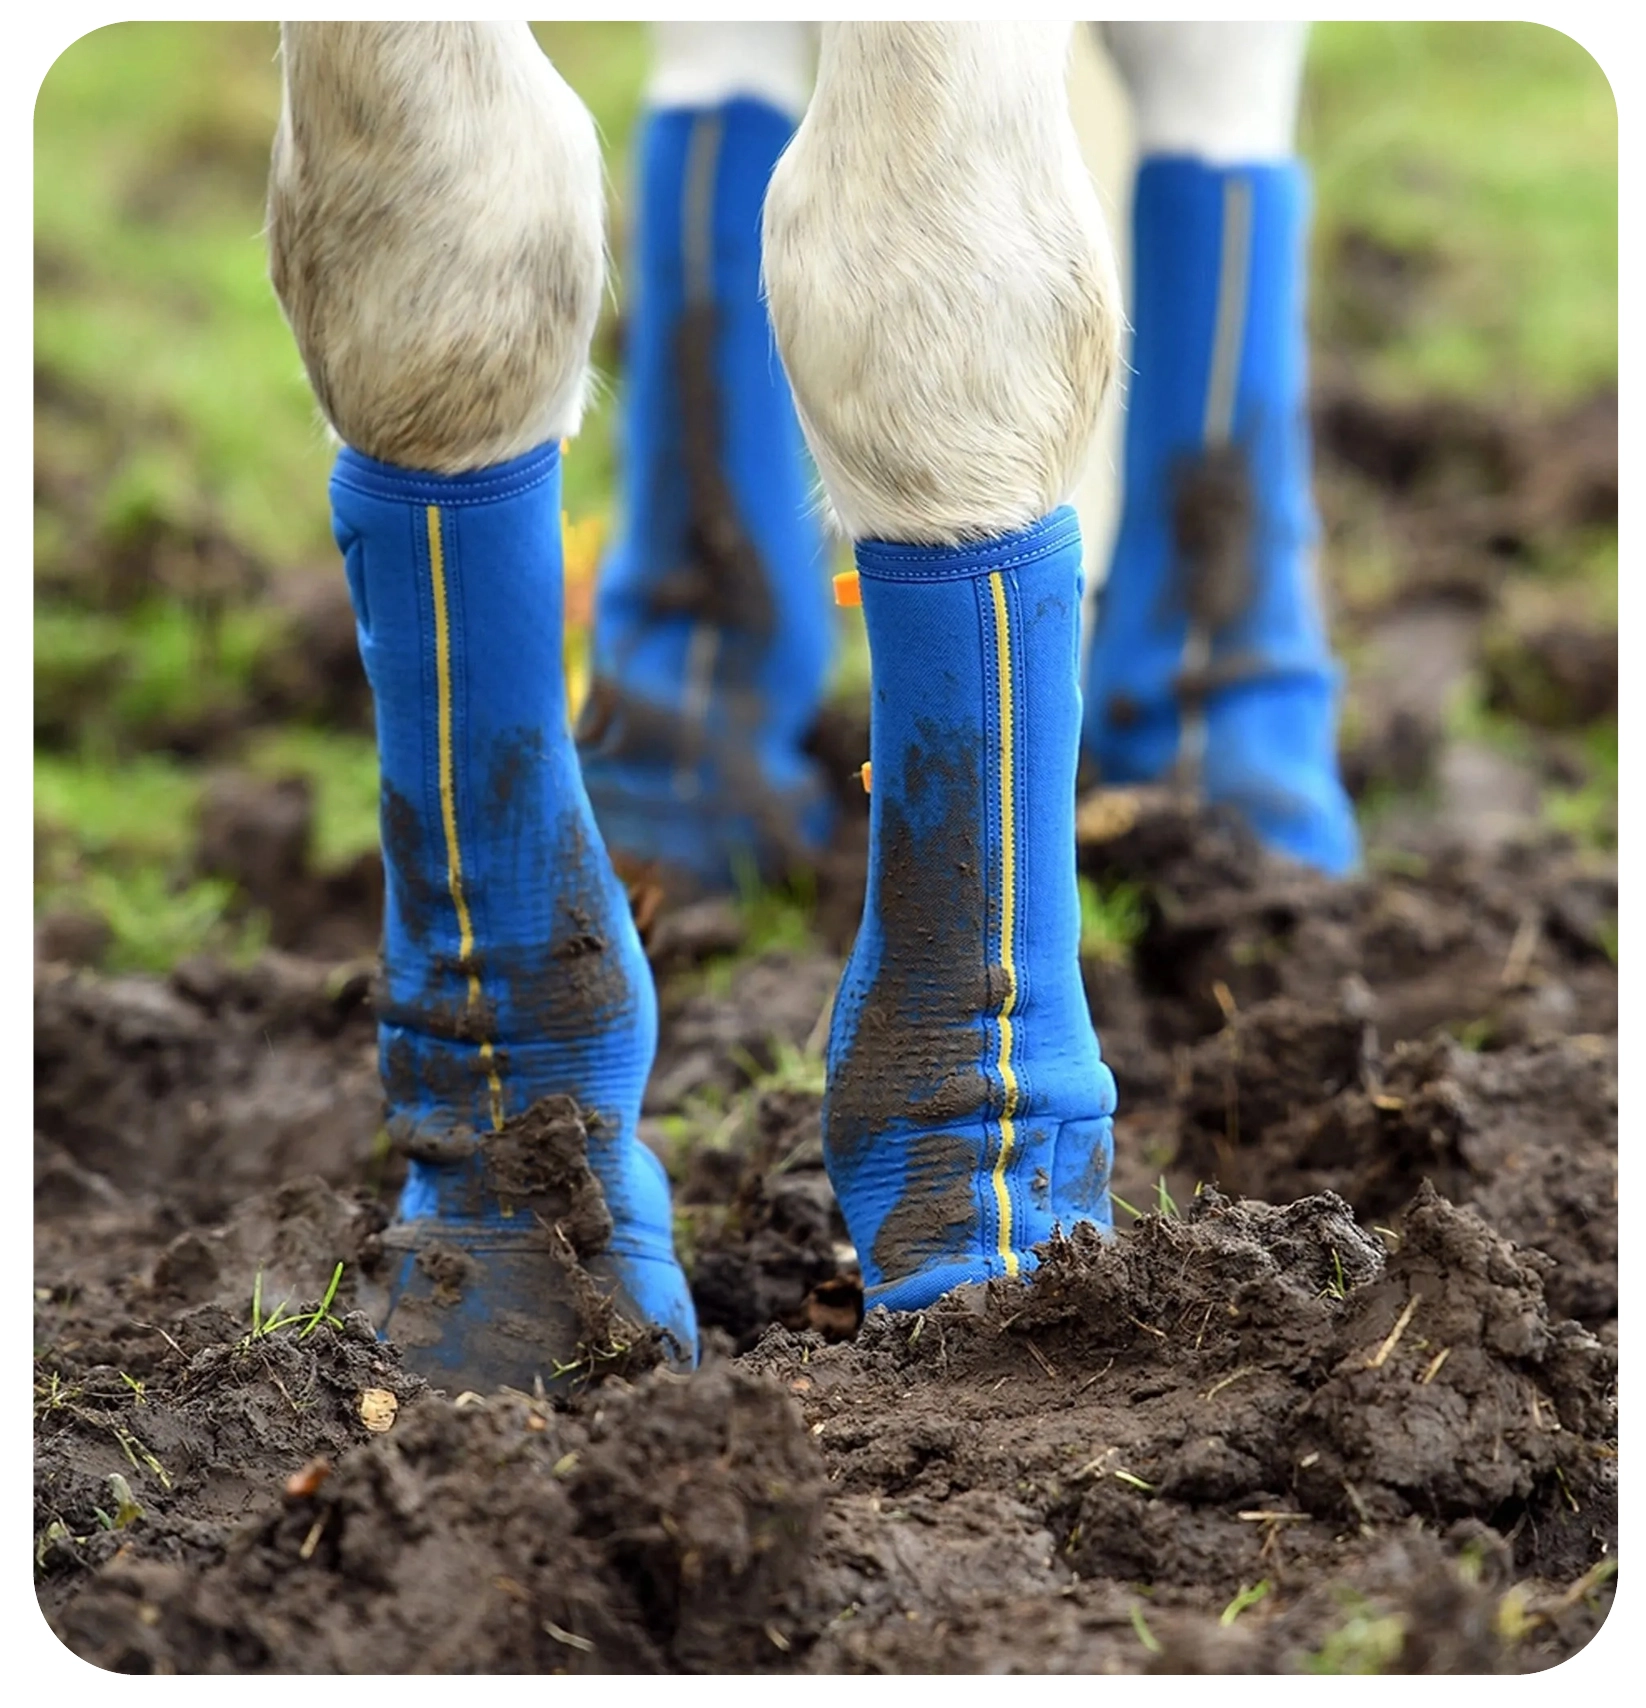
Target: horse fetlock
x: 436, y: 237
x: 941, y: 281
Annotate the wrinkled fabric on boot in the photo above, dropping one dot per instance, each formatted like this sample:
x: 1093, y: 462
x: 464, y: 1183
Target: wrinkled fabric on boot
x: 1210, y: 664
x: 968, y: 1109
x: 512, y: 971
x: 712, y: 622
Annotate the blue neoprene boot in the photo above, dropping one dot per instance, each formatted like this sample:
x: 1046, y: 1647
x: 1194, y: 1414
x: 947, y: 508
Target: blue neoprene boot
x: 712, y: 628
x: 968, y: 1108
x: 512, y: 972
x: 1210, y: 664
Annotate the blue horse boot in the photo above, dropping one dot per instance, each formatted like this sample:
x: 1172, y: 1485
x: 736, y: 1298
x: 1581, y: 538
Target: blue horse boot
x: 712, y: 617
x: 517, y: 1016
x: 968, y: 1109
x: 1210, y: 665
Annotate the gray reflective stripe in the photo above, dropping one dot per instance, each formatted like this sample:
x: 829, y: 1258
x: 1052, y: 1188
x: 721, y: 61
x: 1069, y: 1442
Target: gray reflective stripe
x: 1233, y: 271
x: 697, y: 207
x: 697, y: 251
x: 1217, y: 426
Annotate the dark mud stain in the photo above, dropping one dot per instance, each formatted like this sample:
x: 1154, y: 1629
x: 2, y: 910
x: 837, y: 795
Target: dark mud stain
x: 448, y: 1269
x: 539, y: 1163
x: 937, y: 1215
x: 576, y: 982
x: 516, y: 759
x: 727, y: 583
x: 918, y: 1032
x: 536, y: 1169
x: 1212, y: 520
x: 406, y: 863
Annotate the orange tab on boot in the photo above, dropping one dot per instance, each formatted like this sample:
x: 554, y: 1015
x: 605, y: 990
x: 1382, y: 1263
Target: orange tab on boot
x: 847, y: 592
x: 866, y: 776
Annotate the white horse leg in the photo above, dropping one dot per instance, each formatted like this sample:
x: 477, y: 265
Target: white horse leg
x: 703, y: 65
x: 1209, y: 663
x: 933, y: 229
x: 436, y: 239
x: 1226, y: 94
x: 942, y: 290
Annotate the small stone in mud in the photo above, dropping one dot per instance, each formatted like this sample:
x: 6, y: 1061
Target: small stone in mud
x: 378, y: 1408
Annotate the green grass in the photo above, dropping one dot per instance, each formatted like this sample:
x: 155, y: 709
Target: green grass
x: 151, y: 144
x: 118, y: 679
x: 114, y: 841
x: 305, y: 1322
x: 1483, y: 157
x: 173, y: 411
x: 1366, y: 1641
x: 1112, y: 919
x: 1588, y: 812
x: 1446, y: 141
x: 139, y: 809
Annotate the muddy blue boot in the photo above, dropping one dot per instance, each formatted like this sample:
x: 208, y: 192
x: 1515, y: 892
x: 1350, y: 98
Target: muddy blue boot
x: 517, y: 1016
x: 968, y: 1110
x: 1210, y: 666
x: 712, y: 621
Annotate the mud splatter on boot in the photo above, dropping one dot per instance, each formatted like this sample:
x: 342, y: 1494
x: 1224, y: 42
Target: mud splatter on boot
x: 712, y: 626
x: 511, y: 967
x: 968, y: 1106
x: 1210, y: 666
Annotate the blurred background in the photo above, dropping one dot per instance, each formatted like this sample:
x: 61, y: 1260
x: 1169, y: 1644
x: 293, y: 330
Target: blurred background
x: 205, y: 775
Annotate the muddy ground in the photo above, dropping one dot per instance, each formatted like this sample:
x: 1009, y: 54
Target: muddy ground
x: 1341, y: 1396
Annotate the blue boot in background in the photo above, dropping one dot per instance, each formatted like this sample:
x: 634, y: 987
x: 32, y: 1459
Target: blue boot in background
x: 1210, y: 665
x: 968, y: 1109
x: 712, y: 618
x: 517, y: 1015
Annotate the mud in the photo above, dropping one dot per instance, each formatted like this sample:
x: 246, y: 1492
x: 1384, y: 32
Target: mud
x: 1341, y: 1395
x: 1361, y: 1389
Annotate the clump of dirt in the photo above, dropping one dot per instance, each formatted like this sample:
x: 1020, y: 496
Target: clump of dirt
x: 1367, y: 1445
x: 770, y: 1245
x: 1503, y: 944
x: 1478, y: 1125
x: 661, y: 1527
x: 205, y: 1086
x: 1370, y: 1414
x: 553, y: 1250
x: 154, y: 1440
x: 1242, y: 1395
x: 258, y: 832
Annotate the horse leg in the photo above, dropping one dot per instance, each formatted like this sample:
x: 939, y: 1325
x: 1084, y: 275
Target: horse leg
x: 711, y: 632
x: 942, y: 289
x: 436, y: 241
x: 1210, y: 663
